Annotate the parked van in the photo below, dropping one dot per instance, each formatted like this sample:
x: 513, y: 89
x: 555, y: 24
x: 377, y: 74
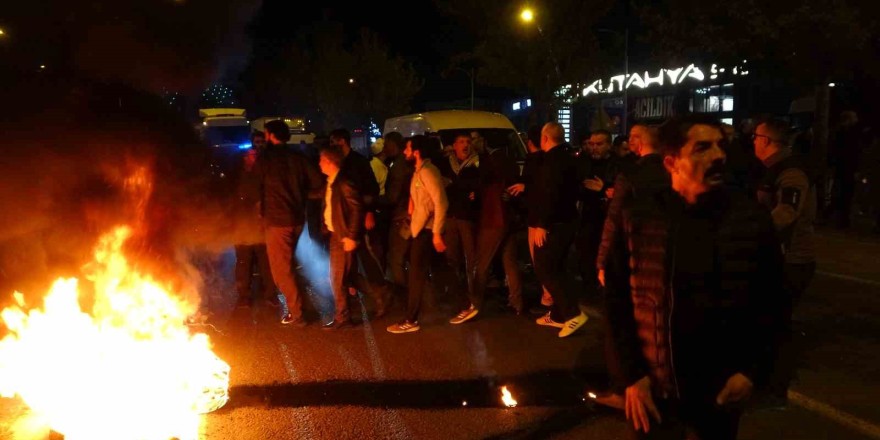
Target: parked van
x: 496, y: 130
x: 225, y: 127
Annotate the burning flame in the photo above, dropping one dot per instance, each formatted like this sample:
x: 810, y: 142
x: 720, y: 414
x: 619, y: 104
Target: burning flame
x: 507, y: 398
x: 130, y: 369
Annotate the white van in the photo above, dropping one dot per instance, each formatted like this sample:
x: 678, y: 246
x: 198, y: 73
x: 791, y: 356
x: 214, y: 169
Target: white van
x: 496, y: 130
x: 225, y: 127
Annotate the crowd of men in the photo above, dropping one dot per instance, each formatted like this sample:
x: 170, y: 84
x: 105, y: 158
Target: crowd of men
x: 699, y: 267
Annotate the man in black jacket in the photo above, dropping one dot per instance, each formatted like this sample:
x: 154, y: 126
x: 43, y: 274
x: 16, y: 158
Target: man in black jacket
x: 395, y: 203
x: 597, y: 169
x: 343, y: 219
x: 555, y: 195
x: 288, y: 181
x: 691, y: 309
x: 358, y: 169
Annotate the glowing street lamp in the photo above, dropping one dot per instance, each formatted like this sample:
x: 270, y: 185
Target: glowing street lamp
x: 2, y: 32
x: 351, y: 80
x: 528, y: 16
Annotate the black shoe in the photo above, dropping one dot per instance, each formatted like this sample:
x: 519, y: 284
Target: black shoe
x: 337, y: 325
x: 288, y: 319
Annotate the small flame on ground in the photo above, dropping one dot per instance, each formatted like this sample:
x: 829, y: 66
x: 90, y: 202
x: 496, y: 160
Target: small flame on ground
x: 507, y: 398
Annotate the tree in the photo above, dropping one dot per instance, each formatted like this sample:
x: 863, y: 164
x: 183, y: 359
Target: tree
x: 538, y: 58
x: 318, y: 74
x: 813, y: 41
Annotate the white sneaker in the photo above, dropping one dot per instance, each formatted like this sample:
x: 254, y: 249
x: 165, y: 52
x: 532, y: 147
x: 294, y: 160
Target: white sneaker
x: 573, y: 324
x: 465, y: 315
x: 548, y: 321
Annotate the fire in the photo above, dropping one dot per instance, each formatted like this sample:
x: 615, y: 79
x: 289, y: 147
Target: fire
x: 507, y: 398
x: 130, y: 369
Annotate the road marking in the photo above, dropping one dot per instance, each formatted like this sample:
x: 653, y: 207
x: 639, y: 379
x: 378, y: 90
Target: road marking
x: 836, y: 415
x: 849, y: 278
x: 300, y: 416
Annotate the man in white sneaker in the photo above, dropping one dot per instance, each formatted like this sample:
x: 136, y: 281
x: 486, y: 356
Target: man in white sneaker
x: 428, y: 205
x: 556, y: 186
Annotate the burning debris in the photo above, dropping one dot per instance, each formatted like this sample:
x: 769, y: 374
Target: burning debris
x: 129, y: 369
x: 507, y: 398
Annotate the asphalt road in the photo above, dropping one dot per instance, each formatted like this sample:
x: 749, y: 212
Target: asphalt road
x: 444, y: 381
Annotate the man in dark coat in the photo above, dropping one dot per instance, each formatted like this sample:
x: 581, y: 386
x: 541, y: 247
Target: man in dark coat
x: 692, y: 302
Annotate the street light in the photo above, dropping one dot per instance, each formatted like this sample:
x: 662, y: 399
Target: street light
x: 528, y: 16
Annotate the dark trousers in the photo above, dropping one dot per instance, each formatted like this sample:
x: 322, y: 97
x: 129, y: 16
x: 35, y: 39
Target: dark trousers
x: 369, y: 260
x: 550, y: 269
x: 461, y: 253
x: 343, y: 274
x: 489, y: 242
x: 589, y: 237
x: 245, y: 258
x: 689, y: 420
x: 398, y: 248
x: 420, y: 250
x: 281, y: 247
x: 797, y: 278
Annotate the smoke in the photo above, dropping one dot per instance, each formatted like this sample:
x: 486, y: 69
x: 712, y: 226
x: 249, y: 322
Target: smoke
x: 82, y: 157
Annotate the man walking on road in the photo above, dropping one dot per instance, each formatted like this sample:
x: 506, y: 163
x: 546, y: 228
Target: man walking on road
x: 428, y: 207
x: 556, y: 187
x: 288, y: 181
x: 786, y: 191
x: 691, y: 310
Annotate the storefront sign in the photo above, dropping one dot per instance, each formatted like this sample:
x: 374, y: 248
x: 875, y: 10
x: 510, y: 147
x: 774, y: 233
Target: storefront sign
x: 659, y: 107
x: 643, y: 80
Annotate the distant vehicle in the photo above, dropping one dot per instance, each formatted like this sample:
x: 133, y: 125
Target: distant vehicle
x: 299, y: 131
x: 225, y: 128
x: 496, y: 130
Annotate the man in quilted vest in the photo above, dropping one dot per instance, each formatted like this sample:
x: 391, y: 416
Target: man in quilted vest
x: 693, y: 284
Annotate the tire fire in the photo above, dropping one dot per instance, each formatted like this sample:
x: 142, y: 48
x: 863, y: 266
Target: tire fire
x: 129, y: 369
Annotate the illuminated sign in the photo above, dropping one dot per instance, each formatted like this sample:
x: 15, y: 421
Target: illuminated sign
x: 643, y: 80
x: 659, y: 107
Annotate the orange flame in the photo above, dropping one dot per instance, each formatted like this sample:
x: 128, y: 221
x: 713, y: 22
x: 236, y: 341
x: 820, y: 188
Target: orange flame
x: 129, y: 370
x: 507, y: 398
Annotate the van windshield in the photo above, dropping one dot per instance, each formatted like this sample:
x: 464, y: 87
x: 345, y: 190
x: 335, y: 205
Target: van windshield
x: 505, y: 138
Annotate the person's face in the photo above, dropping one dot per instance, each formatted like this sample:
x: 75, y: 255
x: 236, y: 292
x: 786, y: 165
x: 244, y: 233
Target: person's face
x: 462, y: 147
x: 408, y: 152
x: 637, y: 135
x: 761, y: 140
x: 391, y: 149
x: 259, y: 142
x: 624, y: 149
x: 328, y: 168
x: 599, y: 146
x: 699, y: 167
x: 337, y: 142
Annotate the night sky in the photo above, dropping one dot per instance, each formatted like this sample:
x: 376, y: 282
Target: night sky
x: 188, y: 44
